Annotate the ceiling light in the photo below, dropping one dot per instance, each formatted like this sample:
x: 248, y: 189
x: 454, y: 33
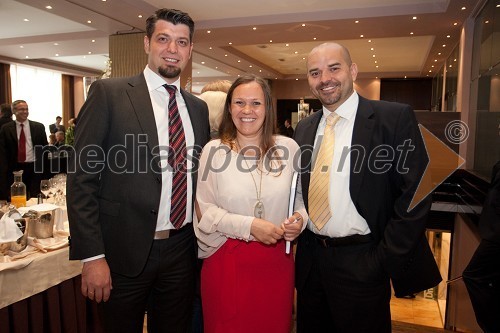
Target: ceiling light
x: 414, y: 17
x: 314, y: 38
x: 432, y: 66
x: 376, y: 61
x: 230, y: 43
x: 405, y: 76
x: 411, y: 33
x: 435, y: 60
x: 376, y: 66
x: 26, y: 20
x: 57, y: 54
x: 361, y: 36
x: 90, y: 52
x: 450, y: 66
x: 356, y: 21
x: 464, y: 8
x: 225, y: 55
x: 239, y: 60
x: 454, y: 59
x: 486, y: 21
x: 27, y: 57
x: 254, y: 28
x: 203, y: 63
x: 303, y: 24
x: 448, y: 36
x: 444, y: 45
x: 430, y: 71
x: 56, y: 44
x: 93, y: 40
x: 296, y: 52
x: 456, y: 23
x: 296, y: 79
x: 287, y: 44
x: 139, y: 16
x: 208, y: 31
x: 48, y: 7
x: 250, y: 66
x: 210, y: 48
x: 439, y: 53
x: 303, y: 58
x: 21, y: 46
x: 498, y: 6
x: 373, y: 55
x: 270, y: 41
x: 369, y: 40
x: 89, y: 21
x: 260, y: 70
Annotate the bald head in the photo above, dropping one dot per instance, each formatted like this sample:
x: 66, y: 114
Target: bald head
x: 333, y: 47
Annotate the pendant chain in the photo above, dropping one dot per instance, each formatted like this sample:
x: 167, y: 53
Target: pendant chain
x: 258, y: 190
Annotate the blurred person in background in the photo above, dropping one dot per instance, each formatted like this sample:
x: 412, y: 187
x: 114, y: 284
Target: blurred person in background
x: 214, y: 94
x: 5, y: 114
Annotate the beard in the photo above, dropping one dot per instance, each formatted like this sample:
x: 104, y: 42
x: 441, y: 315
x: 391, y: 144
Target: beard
x: 169, y: 72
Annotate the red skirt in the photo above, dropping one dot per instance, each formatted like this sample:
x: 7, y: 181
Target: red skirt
x: 248, y: 287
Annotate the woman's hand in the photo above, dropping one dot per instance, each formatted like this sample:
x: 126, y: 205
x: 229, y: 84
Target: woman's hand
x: 265, y: 232
x: 292, y: 227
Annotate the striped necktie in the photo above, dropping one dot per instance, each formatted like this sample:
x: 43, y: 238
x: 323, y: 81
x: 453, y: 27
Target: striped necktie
x: 177, y: 160
x: 319, y: 187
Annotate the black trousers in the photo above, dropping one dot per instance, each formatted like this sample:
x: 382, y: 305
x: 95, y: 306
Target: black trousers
x: 346, y: 290
x: 165, y: 289
x: 482, y: 279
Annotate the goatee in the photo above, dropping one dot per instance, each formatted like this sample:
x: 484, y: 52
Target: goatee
x: 169, y: 72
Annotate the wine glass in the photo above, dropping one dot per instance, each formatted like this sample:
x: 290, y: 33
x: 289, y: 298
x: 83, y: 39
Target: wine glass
x: 45, y: 187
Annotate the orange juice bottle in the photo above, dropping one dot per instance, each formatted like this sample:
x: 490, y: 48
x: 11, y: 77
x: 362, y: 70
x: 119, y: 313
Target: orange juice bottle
x: 18, y: 190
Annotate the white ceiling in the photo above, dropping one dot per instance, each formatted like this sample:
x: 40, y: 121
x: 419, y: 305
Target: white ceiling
x: 285, y: 31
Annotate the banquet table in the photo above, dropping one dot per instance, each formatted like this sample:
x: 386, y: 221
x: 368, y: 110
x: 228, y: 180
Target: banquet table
x: 40, y: 292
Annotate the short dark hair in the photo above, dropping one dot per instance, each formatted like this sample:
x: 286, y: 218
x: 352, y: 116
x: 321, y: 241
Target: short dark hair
x: 173, y: 16
x: 6, y: 110
x: 58, y: 117
x: 16, y: 102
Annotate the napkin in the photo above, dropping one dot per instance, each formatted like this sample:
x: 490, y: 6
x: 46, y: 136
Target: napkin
x: 9, y: 231
x: 59, y: 240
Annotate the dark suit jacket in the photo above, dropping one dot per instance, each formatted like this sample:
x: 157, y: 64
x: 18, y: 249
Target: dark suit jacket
x: 382, y: 198
x: 489, y: 222
x: 113, y: 199
x: 8, y: 151
x: 53, y: 128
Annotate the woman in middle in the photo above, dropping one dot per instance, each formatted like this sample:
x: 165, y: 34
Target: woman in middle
x: 244, y: 185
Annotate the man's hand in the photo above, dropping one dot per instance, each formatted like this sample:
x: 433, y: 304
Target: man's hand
x: 96, y: 280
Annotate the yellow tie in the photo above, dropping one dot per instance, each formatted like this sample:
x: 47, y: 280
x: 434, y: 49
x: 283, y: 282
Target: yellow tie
x: 319, y: 204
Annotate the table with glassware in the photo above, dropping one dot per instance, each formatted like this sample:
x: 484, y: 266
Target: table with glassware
x: 39, y: 285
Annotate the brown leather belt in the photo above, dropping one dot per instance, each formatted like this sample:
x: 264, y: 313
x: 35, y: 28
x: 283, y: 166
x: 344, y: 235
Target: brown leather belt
x: 166, y: 234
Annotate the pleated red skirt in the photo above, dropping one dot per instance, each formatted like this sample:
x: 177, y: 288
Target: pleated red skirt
x: 248, y: 287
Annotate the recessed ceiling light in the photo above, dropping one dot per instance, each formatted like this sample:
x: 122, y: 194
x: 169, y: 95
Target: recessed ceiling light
x: 448, y: 36
x: 314, y: 38
x: 250, y: 66
x: 225, y: 55
x: 27, y: 57
x: 450, y: 66
x: 369, y: 40
x: 432, y: 66
x: 210, y: 48
x: 372, y: 49
x: 208, y: 31
x: 444, y: 45
x: 56, y: 44
x: 21, y: 46
x: 93, y: 40
x: 414, y: 17
x: 57, y: 54
x: 356, y: 21
x: 139, y: 16
x: 303, y: 58
x: 430, y: 71
x: 239, y: 60
x: 230, y: 43
x: 373, y: 56
x: 411, y: 33
x: 376, y: 66
x: 89, y: 21
x: 361, y: 36
x: 439, y: 53
x: 26, y: 20
x: 435, y: 60
x: 296, y: 52
x: 270, y: 41
x: 254, y: 28
x: 90, y: 52
x: 287, y: 44
x: 48, y: 7
x: 296, y: 79
x: 498, y: 6
x: 376, y: 61
x: 303, y: 24
x: 486, y: 21
x: 203, y: 63
x: 464, y: 8
x: 260, y: 70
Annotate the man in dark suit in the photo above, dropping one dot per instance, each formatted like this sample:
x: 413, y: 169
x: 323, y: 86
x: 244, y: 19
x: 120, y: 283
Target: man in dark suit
x: 5, y: 114
x: 369, y: 235
x: 18, y: 151
x: 57, y: 126
x: 482, y: 274
x: 138, y: 246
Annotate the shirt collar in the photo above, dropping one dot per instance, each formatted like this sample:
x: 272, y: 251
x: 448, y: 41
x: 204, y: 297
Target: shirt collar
x: 155, y: 82
x: 18, y: 123
x: 348, y: 109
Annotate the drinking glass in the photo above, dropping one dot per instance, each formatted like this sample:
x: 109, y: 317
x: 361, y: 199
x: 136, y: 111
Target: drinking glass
x: 45, y: 187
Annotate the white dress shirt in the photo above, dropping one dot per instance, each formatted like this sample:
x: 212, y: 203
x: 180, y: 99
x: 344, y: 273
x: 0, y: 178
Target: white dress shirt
x: 159, y: 100
x: 345, y: 218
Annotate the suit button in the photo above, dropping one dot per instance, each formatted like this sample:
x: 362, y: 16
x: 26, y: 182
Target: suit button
x: 154, y: 212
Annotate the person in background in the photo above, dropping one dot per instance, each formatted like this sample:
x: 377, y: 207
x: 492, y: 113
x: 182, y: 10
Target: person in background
x: 288, y: 128
x: 18, y: 151
x: 70, y: 132
x: 215, y: 100
x: 217, y: 85
x: 137, y: 245
x: 59, y: 138
x: 247, y: 277
x: 361, y: 233
x: 5, y: 114
x: 57, y: 126
x: 52, y: 139
x: 482, y: 274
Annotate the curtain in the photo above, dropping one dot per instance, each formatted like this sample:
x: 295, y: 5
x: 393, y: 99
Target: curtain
x: 5, y: 85
x: 68, y: 98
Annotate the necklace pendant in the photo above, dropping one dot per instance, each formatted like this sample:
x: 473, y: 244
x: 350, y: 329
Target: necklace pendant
x: 258, y: 209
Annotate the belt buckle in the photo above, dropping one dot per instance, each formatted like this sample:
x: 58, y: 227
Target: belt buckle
x: 162, y: 234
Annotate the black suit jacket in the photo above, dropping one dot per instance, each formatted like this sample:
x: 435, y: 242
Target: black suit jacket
x: 9, y: 147
x: 114, y: 197
x: 382, y: 197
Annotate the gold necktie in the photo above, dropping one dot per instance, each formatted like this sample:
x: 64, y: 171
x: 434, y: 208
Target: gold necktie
x: 319, y: 204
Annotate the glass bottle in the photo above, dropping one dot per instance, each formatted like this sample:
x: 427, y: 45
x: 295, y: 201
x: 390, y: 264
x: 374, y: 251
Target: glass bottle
x: 18, y: 190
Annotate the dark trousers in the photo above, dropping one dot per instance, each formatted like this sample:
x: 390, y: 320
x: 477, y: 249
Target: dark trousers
x: 165, y: 289
x: 482, y: 279
x: 346, y: 290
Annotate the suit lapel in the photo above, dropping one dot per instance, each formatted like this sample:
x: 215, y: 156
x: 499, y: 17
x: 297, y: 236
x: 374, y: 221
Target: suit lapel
x: 141, y: 103
x: 361, y: 137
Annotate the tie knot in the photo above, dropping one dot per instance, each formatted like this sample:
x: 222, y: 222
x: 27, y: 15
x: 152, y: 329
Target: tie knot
x: 332, y: 119
x: 22, y: 125
x: 170, y: 89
